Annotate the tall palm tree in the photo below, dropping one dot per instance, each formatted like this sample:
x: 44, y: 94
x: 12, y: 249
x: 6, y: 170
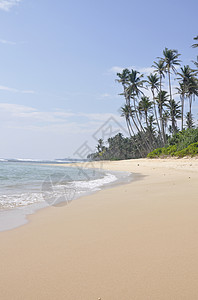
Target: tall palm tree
x: 187, y: 86
x: 181, y: 92
x: 192, y: 91
x: 126, y: 112
x: 171, y: 60
x: 160, y: 69
x: 135, y: 84
x: 162, y: 99
x: 123, y: 79
x: 153, y: 81
x: 134, y: 90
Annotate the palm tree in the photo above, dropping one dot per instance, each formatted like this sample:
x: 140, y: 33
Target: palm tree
x: 123, y: 79
x: 125, y: 112
x: 151, y: 125
x: 175, y: 113
x: 162, y: 99
x: 100, y: 147
x: 153, y: 81
x: 171, y: 60
x: 165, y: 118
x: 192, y: 91
x: 189, y: 120
x: 196, y: 39
x: 160, y: 69
x: 181, y: 92
x: 186, y: 84
x: 134, y: 90
x: 145, y: 106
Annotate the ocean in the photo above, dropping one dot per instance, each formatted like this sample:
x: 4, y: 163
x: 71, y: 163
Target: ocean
x: 26, y: 186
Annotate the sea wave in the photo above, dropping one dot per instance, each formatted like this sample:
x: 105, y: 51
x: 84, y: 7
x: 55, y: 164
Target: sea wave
x: 74, y: 189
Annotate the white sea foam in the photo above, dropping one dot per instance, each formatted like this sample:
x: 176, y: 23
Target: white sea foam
x: 56, y: 191
x: 19, y: 200
x: 95, y: 184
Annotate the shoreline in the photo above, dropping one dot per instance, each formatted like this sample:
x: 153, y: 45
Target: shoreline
x: 19, y: 216
x: 132, y: 241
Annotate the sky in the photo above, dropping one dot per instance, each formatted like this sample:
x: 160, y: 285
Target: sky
x: 58, y: 65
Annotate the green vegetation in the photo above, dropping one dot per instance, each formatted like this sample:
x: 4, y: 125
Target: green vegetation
x: 158, y: 125
x: 184, y: 143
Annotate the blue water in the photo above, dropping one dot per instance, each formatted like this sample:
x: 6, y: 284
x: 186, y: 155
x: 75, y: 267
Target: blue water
x: 28, y: 186
x: 23, y: 184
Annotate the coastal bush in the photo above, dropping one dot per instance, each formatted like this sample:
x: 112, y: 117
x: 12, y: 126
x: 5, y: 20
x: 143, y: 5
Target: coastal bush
x: 191, y: 150
x: 171, y: 150
x: 184, y: 138
x: 155, y: 153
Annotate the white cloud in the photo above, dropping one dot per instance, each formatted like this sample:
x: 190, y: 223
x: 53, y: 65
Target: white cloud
x: 23, y: 113
x: 105, y: 95
x: 13, y: 90
x: 116, y: 69
x: 7, y: 42
x: 27, y: 131
x: 8, y: 4
x: 146, y: 70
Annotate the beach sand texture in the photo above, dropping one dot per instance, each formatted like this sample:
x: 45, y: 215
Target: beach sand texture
x: 134, y: 241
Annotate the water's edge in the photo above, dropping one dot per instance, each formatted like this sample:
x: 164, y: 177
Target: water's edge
x: 16, y: 217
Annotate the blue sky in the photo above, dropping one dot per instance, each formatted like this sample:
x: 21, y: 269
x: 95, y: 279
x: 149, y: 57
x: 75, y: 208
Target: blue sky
x: 59, y: 60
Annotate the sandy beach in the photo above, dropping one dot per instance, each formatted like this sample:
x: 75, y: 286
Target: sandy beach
x: 133, y: 241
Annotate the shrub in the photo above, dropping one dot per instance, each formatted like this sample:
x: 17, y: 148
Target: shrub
x: 155, y: 153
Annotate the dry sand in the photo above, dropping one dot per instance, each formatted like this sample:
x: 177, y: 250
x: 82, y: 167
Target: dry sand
x: 133, y: 241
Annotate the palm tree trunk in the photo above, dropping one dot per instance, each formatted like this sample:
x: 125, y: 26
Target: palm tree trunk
x: 138, y: 130
x: 182, y: 113
x: 156, y: 117
x: 163, y: 135
x: 190, y: 103
x: 149, y: 147
x: 133, y: 137
x: 169, y: 80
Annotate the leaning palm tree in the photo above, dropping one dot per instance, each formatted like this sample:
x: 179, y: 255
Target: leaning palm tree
x: 125, y: 112
x: 134, y: 90
x: 161, y: 100
x: 145, y: 106
x: 154, y: 83
x: 171, y: 60
x: 196, y: 39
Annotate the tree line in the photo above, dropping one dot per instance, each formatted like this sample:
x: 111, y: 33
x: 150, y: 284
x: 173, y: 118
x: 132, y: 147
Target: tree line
x: 152, y: 120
